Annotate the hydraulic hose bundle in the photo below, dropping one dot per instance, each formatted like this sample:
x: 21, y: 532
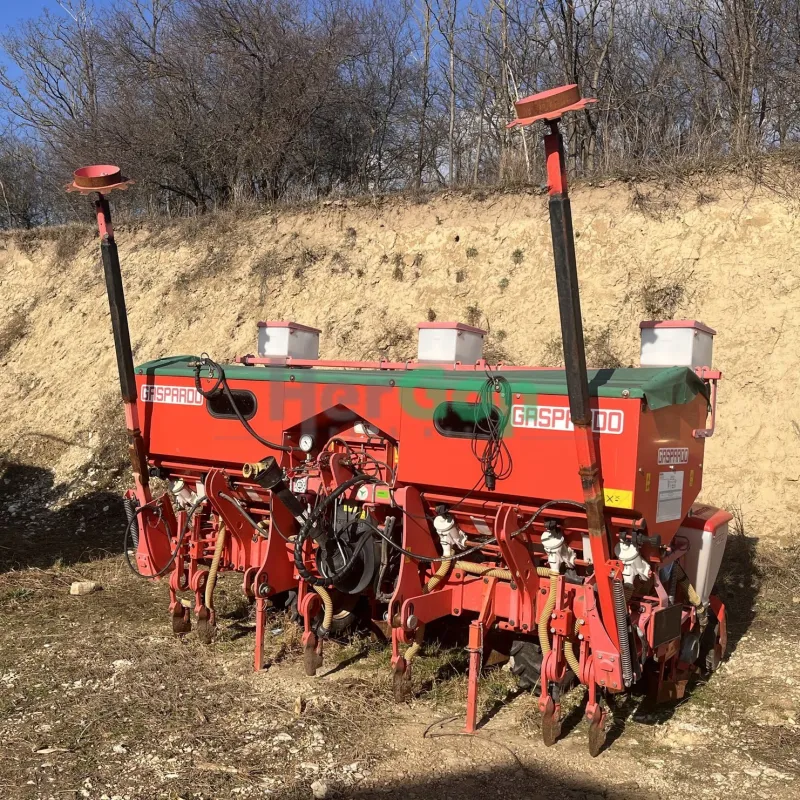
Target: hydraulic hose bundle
x: 217, y: 374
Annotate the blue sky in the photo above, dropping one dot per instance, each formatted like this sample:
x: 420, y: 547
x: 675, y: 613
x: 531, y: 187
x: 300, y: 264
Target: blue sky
x: 12, y: 12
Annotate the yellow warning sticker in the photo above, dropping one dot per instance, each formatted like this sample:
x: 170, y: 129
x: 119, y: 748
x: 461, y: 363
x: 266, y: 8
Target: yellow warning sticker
x: 647, y: 482
x: 618, y: 498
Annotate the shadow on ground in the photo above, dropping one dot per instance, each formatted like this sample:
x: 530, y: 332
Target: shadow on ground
x: 41, y: 525
x: 523, y: 782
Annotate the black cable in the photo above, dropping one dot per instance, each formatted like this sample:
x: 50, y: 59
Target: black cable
x: 476, y: 548
x: 309, y: 524
x: 495, y: 459
x: 166, y: 567
x: 206, y: 361
x: 426, y: 559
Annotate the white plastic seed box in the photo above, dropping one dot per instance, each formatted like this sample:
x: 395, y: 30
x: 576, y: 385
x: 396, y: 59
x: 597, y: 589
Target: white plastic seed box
x: 676, y: 343
x: 706, y: 531
x: 288, y: 340
x: 449, y: 342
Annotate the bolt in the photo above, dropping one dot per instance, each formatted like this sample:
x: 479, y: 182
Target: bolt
x: 486, y: 580
x: 543, y: 591
x: 513, y: 587
x: 581, y: 622
x: 511, y: 622
x: 626, y: 393
x: 412, y: 622
x: 456, y: 611
x: 552, y: 630
x: 603, y: 683
x: 524, y: 626
x: 553, y: 615
x: 580, y: 636
x: 599, y: 656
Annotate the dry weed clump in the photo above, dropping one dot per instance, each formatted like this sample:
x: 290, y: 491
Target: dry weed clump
x: 600, y: 349
x: 661, y: 296
x: 473, y: 315
x: 394, y: 340
x: 12, y: 332
x: 264, y: 268
x: 654, y: 205
x: 69, y: 241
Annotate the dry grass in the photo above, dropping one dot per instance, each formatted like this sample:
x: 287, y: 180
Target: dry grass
x: 661, y: 296
x: 99, y: 690
x: 99, y: 696
x: 12, y: 331
x: 69, y: 242
x: 601, y: 352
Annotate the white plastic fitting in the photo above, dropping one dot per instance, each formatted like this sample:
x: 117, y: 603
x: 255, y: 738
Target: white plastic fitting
x: 558, y: 551
x: 633, y: 565
x: 450, y: 535
x: 180, y: 491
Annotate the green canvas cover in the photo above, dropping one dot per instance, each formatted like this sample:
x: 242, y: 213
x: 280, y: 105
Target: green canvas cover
x: 659, y: 387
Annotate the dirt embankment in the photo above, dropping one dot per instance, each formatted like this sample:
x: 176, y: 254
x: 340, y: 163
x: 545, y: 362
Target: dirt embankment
x: 366, y: 273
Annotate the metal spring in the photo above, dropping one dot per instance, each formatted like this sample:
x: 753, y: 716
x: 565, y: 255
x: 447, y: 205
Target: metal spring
x: 621, y: 614
x: 130, y: 512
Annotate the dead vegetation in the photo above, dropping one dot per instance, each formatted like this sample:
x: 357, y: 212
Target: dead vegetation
x: 70, y: 239
x: 12, y: 331
x: 654, y: 203
x: 394, y: 340
x: 266, y: 268
x: 660, y: 296
x: 601, y: 351
x: 99, y: 697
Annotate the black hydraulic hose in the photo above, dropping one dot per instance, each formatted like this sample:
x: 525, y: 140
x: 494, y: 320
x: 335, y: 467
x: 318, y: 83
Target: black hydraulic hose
x: 134, y: 519
x: 309, y: 525
x: 222, y: 383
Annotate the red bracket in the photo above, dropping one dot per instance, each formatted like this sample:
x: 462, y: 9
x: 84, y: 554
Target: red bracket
x: 711, y: 376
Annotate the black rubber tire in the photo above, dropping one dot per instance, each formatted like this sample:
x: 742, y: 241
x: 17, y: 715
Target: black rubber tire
x: 527, y: 667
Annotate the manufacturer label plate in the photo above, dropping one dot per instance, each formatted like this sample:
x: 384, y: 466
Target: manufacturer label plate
x: 557, y: 418
x: 670, y: 496
x: 668, y: 456
x: 174, y: 395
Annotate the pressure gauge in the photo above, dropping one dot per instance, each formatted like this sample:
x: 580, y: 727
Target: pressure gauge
x: 306, y: 442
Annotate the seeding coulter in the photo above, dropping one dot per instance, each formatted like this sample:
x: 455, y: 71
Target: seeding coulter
x: 553, y: 511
